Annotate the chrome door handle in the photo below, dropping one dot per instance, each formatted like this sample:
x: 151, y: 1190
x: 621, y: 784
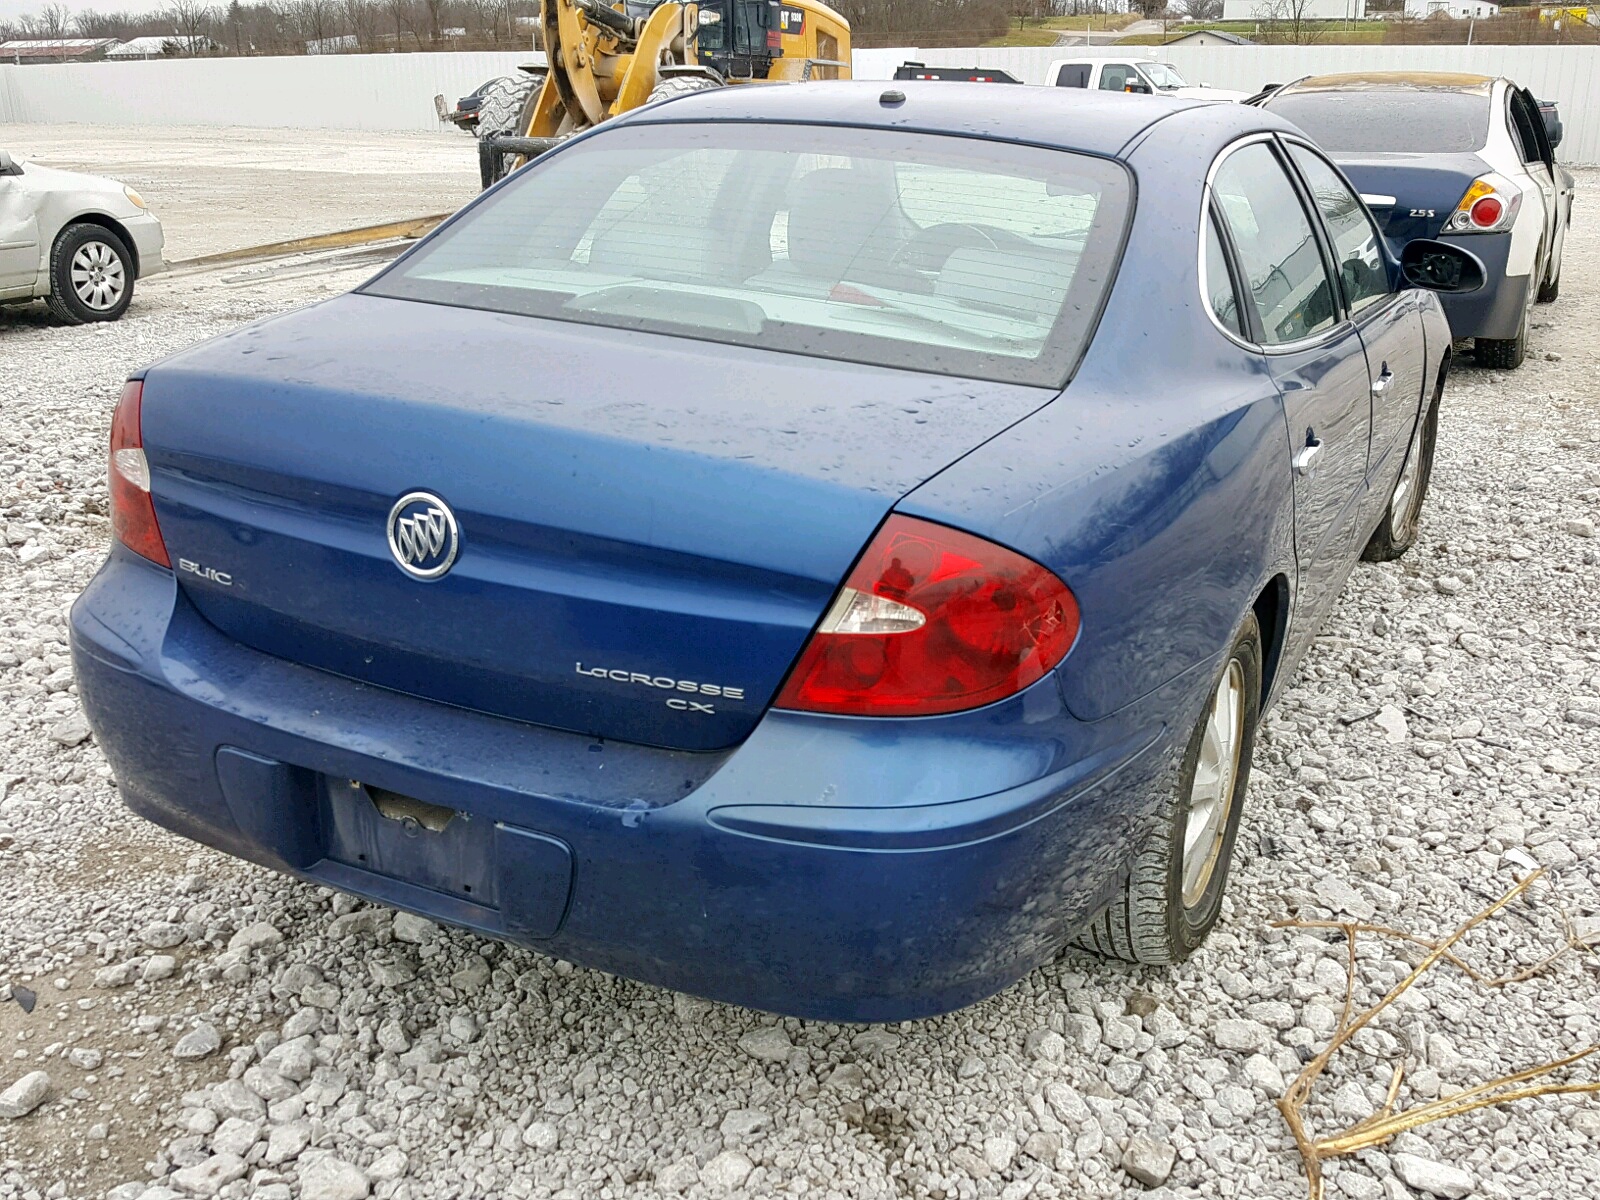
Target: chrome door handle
x: 1382, y: 383
x: 1307, y: 456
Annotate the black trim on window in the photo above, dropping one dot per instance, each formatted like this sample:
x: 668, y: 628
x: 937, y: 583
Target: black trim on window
x: 1249, y: 318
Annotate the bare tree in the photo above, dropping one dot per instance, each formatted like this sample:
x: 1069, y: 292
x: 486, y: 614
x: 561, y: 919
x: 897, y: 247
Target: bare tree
x: 53, y: 21
x: 191, y: 21
x: 315, y: 19
x: 1205, y: 10
x: 1289, y: 21
x: 361, y: 18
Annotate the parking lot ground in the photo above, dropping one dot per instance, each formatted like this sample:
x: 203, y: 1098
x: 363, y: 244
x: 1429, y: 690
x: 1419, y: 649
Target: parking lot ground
x: 209, y: 1026
x: 224, y: 189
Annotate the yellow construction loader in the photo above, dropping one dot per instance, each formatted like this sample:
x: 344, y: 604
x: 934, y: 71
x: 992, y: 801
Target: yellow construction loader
x: 602, y: 60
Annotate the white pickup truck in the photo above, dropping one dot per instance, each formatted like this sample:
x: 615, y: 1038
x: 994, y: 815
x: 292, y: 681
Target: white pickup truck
x: 1132, y: 73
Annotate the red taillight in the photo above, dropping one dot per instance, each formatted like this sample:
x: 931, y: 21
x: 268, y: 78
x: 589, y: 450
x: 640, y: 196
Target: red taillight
x: 1486, y: 211
x: 133, y: 516
x: 932, y: 620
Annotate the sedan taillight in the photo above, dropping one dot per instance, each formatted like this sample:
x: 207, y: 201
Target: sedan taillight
x: 133, y: 516
x: 932, y: 620
x: 1488, y: 206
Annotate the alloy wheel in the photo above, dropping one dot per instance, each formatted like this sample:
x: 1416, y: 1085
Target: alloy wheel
x: 1211, y: 795
x: 98, y: 276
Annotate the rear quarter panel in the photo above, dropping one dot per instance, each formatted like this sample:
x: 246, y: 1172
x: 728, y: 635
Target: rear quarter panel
x: 1157, y: 485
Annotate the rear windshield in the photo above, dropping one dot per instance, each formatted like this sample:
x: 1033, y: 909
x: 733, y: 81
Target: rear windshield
x: 941, y: 254
x: 1389, y: 120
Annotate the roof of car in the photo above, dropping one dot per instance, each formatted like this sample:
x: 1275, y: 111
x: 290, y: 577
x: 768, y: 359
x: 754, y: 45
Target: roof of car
x: 1068, y: 118
x: 1361, y: 81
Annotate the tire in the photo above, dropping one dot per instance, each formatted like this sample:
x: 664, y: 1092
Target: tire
x: 1397, y: 532
x: 1551, y: 291
x: 91, y: 275
x: 1505, y: 354
x: 680, y: 85
x: 511, y: 111
x: 504, y: 101
x: 1164, y: 913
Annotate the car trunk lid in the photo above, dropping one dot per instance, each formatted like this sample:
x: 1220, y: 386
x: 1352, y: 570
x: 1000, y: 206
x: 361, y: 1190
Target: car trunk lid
x: 649, y: 527
x: 1412, y: 195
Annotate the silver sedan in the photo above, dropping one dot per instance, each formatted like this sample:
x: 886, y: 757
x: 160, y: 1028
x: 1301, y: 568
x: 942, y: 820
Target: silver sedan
x: 77, y: 242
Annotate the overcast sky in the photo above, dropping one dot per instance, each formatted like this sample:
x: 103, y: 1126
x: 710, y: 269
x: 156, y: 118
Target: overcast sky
x: 12, y: 9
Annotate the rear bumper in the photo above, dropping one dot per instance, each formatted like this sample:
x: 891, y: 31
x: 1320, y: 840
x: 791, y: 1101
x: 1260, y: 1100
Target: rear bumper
x: 753, y: 876
x: 1494, y: 311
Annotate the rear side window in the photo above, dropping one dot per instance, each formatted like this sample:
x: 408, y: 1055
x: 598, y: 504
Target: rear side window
x: 1277, y: 248
x: 1073, y: 75
x: 947, y: 255
x: 1355, y: 241
x: 1220, y: 295
x: 1389, y: 120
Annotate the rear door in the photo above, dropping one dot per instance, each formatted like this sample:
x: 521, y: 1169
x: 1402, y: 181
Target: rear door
x: 1388, y: 321
x: 1538, y: 160
x: 1315, y: 356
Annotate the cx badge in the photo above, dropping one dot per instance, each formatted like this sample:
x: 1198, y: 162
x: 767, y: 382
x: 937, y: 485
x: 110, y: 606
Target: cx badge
x: 423, y: 536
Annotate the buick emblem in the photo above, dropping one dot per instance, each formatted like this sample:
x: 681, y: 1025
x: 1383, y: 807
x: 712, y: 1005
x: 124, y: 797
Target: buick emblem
x: 422, y: 535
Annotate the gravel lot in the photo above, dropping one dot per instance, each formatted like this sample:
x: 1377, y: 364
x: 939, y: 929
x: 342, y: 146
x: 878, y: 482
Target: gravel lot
x: 209, y: 1028
x: 224, y: 189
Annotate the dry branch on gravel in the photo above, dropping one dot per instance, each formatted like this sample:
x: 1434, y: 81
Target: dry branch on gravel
x: 1387, y: 1121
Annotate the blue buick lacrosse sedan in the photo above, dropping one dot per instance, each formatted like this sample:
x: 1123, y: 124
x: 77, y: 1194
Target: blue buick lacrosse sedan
x: 821, y: 548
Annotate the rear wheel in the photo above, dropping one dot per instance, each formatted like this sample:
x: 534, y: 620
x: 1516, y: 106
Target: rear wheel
x: 1174, y: 892
x: 1397, y: 532
x: 91, y: 275
x: 1506, y: 354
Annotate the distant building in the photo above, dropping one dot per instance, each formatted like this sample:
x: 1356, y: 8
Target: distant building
x: 347, y: 44
x: 1456, y: 9
x: 172, y: 45
x: 54, y: 50
x: 1210, y: 37
x: 1280, y: 10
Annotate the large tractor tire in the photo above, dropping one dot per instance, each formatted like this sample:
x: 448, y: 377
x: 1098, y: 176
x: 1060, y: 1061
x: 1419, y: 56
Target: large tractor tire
x: 680, y: 85
x: 505, y: 102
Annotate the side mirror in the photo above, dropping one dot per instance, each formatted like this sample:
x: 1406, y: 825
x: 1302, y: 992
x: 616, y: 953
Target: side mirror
x: 1440, y: 267
x: 1137, y: 86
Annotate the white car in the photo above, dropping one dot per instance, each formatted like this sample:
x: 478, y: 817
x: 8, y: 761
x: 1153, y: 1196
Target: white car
x: 1136, y: 73
x: 77, y: 242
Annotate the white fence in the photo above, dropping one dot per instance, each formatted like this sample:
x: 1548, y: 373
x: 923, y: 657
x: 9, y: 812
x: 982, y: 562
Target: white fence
x: 395, y: 91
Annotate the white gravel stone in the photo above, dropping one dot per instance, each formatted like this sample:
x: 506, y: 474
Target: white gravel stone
x: 726, y: 1172
x: 1149, y: 1161
x: 25, y: 1095
x: 1435, y: 1178
x: 770, y: 1044
x: 408, y: 927
x: 326, y: 1177
x: 259, y: 936
x: 1244, y: 1036
x: 210, y: 1176
x: 286, y: 1142
x: 200, y: 1042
